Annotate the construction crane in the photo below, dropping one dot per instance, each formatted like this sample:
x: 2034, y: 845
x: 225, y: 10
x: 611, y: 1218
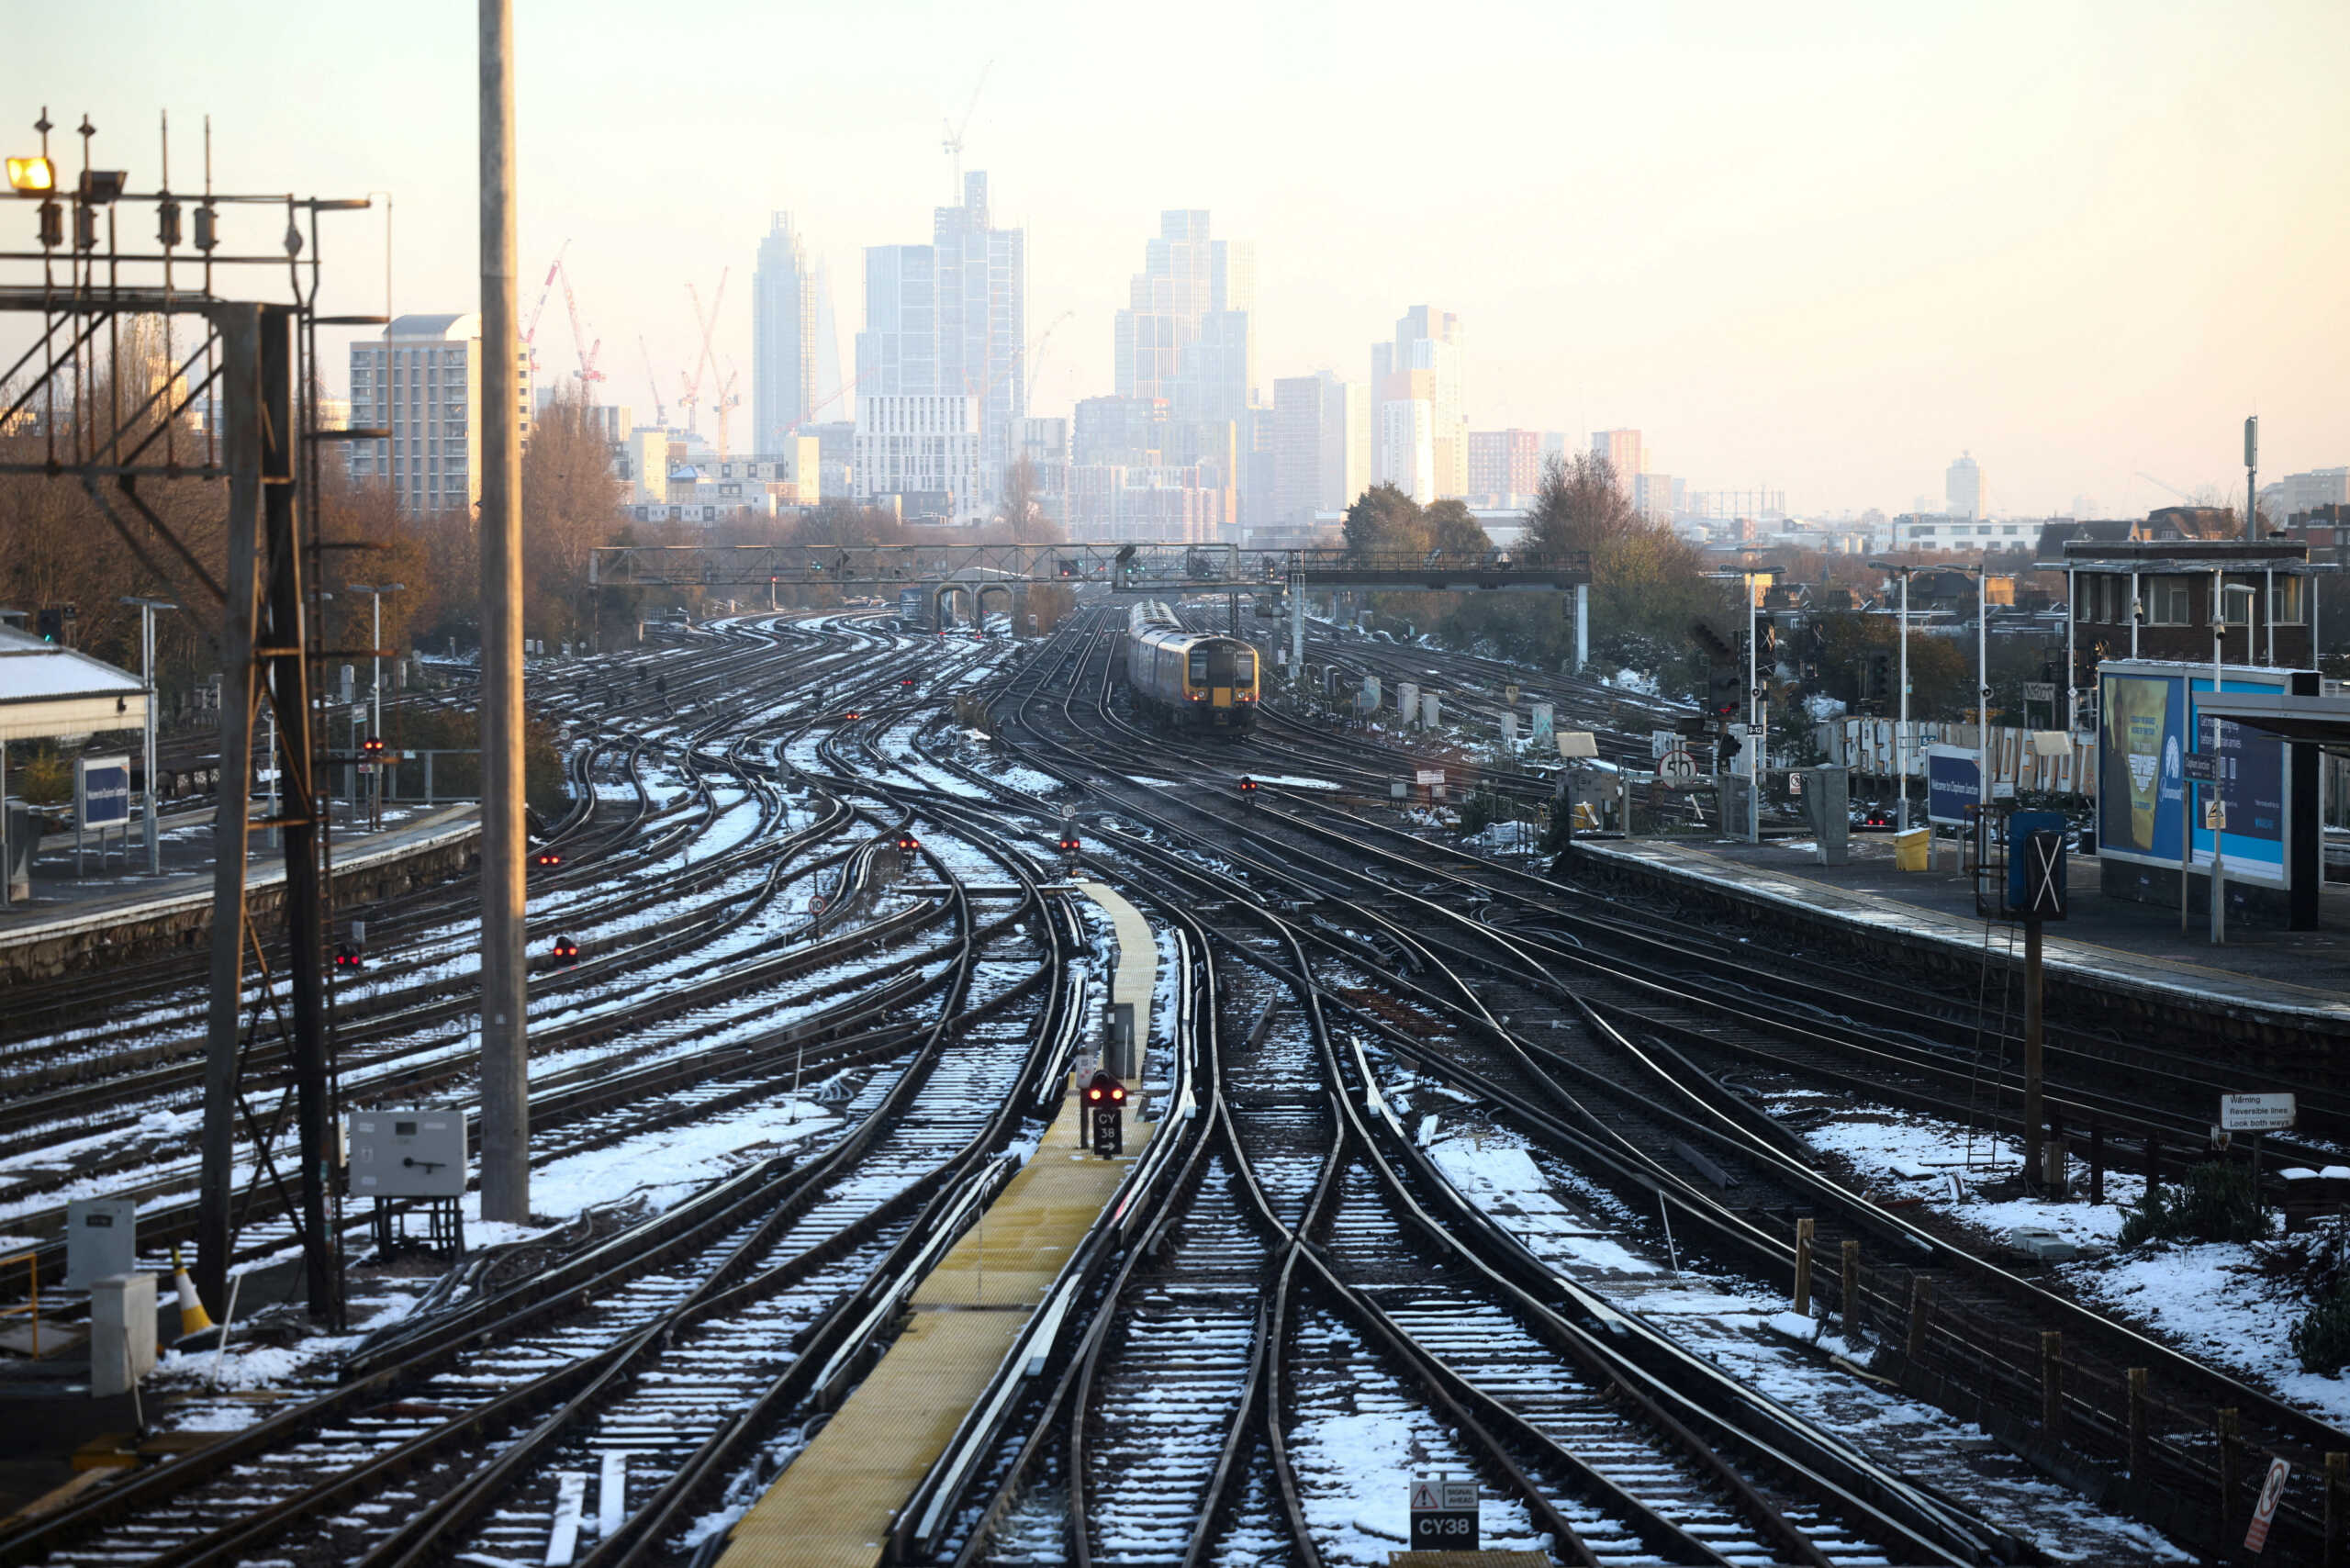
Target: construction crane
x: 660, y: 410
x: 952, y: 145
x: 531, y: 332
x: 727, y: 398
x: 707, y: 363
x: 587, y: 371
x: 2161, y: 485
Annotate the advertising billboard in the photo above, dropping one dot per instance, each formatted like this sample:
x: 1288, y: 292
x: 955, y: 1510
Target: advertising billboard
x: 2148, y: 809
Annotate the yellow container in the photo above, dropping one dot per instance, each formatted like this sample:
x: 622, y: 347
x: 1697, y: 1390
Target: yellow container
x: 1910, y: 849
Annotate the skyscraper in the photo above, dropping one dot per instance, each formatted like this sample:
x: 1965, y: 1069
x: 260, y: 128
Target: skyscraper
x: 1622, y: 450
x: 1319, y: 461
x: 424, y: 385
x: 783, y: 338
x: 1502, y: 463
x: 1188, y: 336
x: 1962, y: 488
x: 949, y: 318
x: 1423, y: 365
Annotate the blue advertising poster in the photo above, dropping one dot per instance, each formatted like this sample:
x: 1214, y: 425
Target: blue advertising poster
x: 1954, y: 782
x: 2143, y: 727
x: 102, y: 791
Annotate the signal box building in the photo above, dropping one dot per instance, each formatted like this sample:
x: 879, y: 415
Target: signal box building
x: 2153, y: 598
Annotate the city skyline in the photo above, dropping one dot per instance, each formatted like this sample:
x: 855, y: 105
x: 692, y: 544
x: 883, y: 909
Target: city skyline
x: 1859, y: 245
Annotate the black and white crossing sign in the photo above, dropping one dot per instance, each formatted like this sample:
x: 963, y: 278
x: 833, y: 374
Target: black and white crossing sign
x: 1443, y: 1514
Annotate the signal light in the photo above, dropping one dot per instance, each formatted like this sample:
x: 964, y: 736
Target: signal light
x: 566, y: 950
x: 1248, y: 794
x: 32, y: 176
x: 1068, y: 844
x: 907, y: 684
x: 548, y: 857
x: 852, y: 716
x: 1106, y: 1100
x: 908, y: 843
x: 346, y: 957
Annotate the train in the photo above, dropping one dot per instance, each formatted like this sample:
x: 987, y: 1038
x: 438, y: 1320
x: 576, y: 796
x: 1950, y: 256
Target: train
x: 1189, y: 680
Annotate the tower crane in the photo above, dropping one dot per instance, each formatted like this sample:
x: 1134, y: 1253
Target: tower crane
x: 707, y: 363
x: 660, y: 409
x: 531, y: 332
x: 952, y: 144
x: 587, y: 371
x: 2162, y: 485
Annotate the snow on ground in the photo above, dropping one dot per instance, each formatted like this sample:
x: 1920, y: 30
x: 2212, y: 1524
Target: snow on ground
x: 1288, y: 781
x: 1898, y: 1153
x: 1591, y: 1237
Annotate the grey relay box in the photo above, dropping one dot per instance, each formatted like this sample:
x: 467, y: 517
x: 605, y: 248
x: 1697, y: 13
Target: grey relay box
x: 407, y: 1154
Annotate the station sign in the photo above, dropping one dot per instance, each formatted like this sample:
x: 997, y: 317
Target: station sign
x: 1431, y: 776
x: 101, y: 791
x: 1443, y: 1514
x: 2255, y: 1113
x: 1954, y: 782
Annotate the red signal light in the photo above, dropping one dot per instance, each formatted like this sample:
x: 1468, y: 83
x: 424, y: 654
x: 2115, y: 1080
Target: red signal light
x: 565, y: 949
x: 346, y: 957
x: 546, y: 857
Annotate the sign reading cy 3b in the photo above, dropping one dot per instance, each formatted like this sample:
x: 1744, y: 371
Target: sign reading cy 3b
x: 1444, y: 1515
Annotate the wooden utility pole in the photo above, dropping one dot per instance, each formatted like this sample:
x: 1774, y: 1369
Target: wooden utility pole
x: 2034, y: 1110
x: 505, y: 1044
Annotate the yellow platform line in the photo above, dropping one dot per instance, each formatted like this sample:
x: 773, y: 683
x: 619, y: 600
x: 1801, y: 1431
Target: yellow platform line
x: 834, y: 1505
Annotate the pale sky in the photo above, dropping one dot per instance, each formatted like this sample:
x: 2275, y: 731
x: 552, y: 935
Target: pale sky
x: 1821, y: 248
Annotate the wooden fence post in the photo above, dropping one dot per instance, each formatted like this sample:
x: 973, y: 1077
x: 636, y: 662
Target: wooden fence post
x: 2337, y: 1481
x: 2230, y: 1427
x: 2052, y: 1382
x: 2138, y: 1424
x: 1803, y: 1267
x: 1851, y: 1289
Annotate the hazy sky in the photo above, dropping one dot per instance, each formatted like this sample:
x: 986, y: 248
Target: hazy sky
x: 1822, y: 248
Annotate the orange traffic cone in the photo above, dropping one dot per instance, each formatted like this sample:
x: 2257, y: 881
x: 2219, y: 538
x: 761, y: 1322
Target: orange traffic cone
x: 194, y: 1319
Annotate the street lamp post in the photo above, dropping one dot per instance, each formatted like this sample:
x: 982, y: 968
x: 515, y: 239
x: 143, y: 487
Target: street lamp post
x: 1901, y: 725
x: 375, y: 688
x: 147, y: 608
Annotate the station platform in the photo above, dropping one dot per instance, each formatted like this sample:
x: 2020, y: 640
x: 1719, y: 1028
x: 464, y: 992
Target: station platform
x: 834, y: 1505
x: 1135, y: 981
x: 116, y: 910
x: 2294, y: 978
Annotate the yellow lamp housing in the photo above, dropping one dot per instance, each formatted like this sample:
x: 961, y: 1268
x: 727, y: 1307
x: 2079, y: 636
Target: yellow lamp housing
x: 32, y: 176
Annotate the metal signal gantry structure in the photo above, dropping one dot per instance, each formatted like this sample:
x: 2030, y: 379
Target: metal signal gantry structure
x: 103, y: 401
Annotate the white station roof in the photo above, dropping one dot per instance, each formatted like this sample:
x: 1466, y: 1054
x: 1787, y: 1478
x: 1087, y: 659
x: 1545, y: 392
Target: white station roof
x: 47, y: 691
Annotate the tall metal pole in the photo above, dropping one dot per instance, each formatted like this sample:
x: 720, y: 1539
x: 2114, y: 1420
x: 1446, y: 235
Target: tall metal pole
x: 1901, y: 728
x: 1983, y: 684
x: 1753, y: 698
x: 285, y: 660
x: 505, y: 1046
x: 146, y: 678
x: 239, y: 328
x: 2251, y: 475
x: 2034, y: 1108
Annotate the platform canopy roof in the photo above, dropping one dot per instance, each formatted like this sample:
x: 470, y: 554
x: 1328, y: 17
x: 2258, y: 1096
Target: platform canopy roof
x: 2322, y: 719
x: 48, y: 690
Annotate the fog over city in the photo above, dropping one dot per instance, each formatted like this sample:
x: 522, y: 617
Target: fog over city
x: 1819, y: 249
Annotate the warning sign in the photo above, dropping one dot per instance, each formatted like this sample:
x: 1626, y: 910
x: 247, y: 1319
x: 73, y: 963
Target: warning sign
x: 1443, y: 1514
x: 2271, y: 1490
